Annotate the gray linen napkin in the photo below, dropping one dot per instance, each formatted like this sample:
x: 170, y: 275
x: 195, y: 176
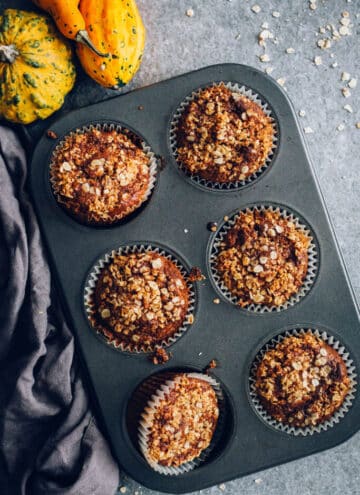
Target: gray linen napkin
x: 49, y: 440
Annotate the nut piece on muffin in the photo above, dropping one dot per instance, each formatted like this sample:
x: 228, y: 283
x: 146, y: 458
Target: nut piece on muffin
x: 140, y: 300
x: 100, y: 176
x: 302, y: 381
x: 263, y: 258
x: 223, y: 136
x: 179, y: 426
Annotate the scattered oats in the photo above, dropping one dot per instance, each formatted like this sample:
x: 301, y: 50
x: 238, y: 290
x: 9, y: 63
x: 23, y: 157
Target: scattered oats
x: 290, y: 50
x: 321, y: 43
x: 345, y: 14
x: 322, y: 30
x: 276, y: 14
x: 216, y: 300
x: 312, y: 5
x: 190, y: 12
x: 265, y: 35
x: 258, y: 269
x: 281, y: 81
x: 302, y: 113
x: 256, y: 9
x: 335, y: 64
x: 123, y: 489
x: 238, y: 36
x: 308, y: 130
x: 264, y: 57
x: 346, y: 92
x: 344, y: 31
x: 345, y: 21
x: 222, y: 486
x: 352, y: 83
x: 357, y: 125
x: 258, y: 481
x: 269, y: 70
x: 265, y: 25
x: 327, y: 44
x: 340, y: 127
x: 332, y: 55
x: 317, y: 60
x: 348, y: 108
x: 345, y: 76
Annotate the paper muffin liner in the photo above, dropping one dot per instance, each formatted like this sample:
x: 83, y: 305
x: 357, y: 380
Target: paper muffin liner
x: 90, y: 308
x: 338, y: 415
x: 113, y: 219
x: 153, y: 391
x: 313, y: 259
x: 224, y: 186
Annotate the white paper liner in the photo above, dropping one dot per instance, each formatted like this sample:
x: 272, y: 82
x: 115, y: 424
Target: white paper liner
x: 224, y: 186
x: 91, y: 284
x: 338, y: 415
x: 313, y: 259
x: 153, y: 167
x: 147, y: 415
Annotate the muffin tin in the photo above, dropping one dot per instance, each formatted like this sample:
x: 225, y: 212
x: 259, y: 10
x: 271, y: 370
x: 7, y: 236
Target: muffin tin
x: 176, y: 219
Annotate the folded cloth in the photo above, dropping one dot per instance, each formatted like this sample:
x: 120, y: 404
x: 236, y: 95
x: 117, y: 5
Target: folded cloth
x: 49, y: 440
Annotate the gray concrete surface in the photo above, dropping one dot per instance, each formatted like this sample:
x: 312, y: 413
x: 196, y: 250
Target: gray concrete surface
x: 226, y: 31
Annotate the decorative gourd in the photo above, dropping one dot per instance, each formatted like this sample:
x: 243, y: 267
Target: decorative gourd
x: 36, y: 68
x: 116, y: 27
x: 69, y: 20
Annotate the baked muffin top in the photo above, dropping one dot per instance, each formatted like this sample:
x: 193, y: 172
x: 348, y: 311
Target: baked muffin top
x: 183, y: 423
x: 263, y: 258
x: 100, y: 176
x: 223, y: 136
x: 302, y: 381
x: 140, y: 299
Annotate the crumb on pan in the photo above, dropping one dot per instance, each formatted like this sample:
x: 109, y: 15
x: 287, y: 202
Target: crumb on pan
x: 263, y: 258
x: 196, y: 275
x: 160, y: 356
x: 302, y: 381
x: 223, y: 136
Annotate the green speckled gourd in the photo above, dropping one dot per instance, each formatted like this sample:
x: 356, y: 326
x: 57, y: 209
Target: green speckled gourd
x: 36, y: 68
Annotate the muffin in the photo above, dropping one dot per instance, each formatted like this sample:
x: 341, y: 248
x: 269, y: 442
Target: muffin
x: 100, y: 176
x: 223, y: 136
x: 263, y: 258
x: 140, y: 300
x: 302, y: 381
x: 179, y: 421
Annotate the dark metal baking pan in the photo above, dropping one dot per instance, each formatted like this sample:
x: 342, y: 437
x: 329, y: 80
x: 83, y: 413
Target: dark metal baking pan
x: 176, y: 217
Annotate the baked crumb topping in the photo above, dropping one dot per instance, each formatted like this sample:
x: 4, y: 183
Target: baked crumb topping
x: 100, y: 176
x: 183, y: 423
x: 302, y: 381
x: 140, y: 299
x: 263, y: 259
x: 223, y: 136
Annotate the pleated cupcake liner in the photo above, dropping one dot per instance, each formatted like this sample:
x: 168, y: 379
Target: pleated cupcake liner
x: 313, y: 259
x: 338, y: 415
x: 224, y: 186
x: 151, y: 393
x: 108, y: 219
x: 90, y: 306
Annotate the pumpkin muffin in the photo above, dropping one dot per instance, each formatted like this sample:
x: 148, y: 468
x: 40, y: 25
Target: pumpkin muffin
x: 101, y: 176
x: 302, y: 381
x: 223, y: 136
x: 263, y: 258
x: 140, y: 300
x: 179, y: 422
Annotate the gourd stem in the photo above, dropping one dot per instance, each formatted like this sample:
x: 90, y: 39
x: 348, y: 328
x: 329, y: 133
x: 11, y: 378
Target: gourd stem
x: 8, y: 53
x: 83, y: 37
